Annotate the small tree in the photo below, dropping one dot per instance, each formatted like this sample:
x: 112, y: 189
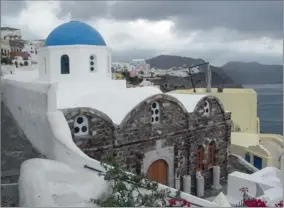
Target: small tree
x: 127, y: 190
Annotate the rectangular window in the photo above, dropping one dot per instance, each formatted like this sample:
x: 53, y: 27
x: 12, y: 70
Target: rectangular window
x: 198, y: 158
x: 65, y: 64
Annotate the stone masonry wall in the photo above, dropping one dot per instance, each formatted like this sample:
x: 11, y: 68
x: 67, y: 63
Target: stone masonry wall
x: 136, y: 136
x: 99, y: 140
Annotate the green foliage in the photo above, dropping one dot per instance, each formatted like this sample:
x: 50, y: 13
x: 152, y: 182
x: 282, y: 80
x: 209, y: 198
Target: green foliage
x: 127, y: 190
x: 6, y: 60
x: 131, y: 80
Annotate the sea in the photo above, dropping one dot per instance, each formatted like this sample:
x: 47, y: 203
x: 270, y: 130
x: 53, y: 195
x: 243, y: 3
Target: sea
x: 269, y: 107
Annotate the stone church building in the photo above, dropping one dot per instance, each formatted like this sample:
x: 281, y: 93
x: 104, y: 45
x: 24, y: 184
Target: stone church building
x: 161, y: 139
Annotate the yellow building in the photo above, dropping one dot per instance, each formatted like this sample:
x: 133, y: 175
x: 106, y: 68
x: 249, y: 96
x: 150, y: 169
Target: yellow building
x: 261, y: 150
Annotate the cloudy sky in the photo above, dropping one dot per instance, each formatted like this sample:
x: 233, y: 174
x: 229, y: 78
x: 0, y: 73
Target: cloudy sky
x: 216, y: 31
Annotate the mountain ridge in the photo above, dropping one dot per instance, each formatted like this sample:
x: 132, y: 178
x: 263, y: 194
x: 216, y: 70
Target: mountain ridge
x: 219, y: 77
x: 254, y: 72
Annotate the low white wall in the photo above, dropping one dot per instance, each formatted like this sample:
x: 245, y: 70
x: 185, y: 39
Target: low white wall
x: 238, y: 180
x: 29, y: 102
x: 50, y: 183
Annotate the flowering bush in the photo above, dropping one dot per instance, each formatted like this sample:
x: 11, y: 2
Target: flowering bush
x: 251, y: 202
x: 178, y: 202
x: 255, y: 203
x: 280, y: 204
x: 125, y: 185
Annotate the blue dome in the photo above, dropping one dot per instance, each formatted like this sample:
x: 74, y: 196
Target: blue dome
x: 74, y: 33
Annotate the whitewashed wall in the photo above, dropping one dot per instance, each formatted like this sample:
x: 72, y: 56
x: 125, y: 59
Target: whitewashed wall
x: 29, y: 103
x: 33, y: 105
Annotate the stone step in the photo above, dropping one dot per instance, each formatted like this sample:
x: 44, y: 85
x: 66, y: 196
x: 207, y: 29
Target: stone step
x: 9, y: 195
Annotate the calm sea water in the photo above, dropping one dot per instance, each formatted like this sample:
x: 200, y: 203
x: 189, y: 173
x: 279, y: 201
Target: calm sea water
x: 270, y: 107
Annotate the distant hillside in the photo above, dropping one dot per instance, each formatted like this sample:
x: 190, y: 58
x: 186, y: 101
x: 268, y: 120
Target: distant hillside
x: 254, y: 73
x: 219, y: 77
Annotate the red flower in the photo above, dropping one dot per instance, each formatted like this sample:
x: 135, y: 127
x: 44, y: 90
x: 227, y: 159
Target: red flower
x: 255, y: 203
x: 280, y: 204
x: 176, y: 202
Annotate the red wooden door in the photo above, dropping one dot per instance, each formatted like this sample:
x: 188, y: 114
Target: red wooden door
x: 158, y: 171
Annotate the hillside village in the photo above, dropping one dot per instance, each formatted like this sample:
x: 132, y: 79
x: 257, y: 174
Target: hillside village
x: 17, y: 51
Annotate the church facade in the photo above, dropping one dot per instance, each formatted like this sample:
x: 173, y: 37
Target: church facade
x: 178, y: 144
x: 169, y: 138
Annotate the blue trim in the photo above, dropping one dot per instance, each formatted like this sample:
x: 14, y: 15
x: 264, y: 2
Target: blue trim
x: 257, y: 162
x: 74, y: 33
x: 247, y: 157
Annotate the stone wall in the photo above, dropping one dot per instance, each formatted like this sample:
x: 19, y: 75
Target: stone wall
x: 99, y: 140
x: 137, y: 136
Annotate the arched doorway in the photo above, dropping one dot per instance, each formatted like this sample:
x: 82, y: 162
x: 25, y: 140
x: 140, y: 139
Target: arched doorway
x: 158, y: 171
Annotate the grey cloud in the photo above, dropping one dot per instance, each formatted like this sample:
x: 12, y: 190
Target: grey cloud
x: 126, y: 55
x: 252, y: 17
x: 120, y: 37
x: 11, y: 7
x: 84, y: 10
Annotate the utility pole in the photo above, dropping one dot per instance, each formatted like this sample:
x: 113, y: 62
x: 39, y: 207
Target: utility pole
x: 191, y: 76
x: 191, y: 79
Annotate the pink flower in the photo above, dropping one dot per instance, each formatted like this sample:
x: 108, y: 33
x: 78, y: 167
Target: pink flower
x: 178, y: 202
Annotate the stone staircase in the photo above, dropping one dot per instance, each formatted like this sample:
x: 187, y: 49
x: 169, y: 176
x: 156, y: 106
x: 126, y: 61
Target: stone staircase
x: 15, y: 149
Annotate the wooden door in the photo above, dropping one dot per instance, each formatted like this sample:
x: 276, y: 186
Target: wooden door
x: 158, y: 171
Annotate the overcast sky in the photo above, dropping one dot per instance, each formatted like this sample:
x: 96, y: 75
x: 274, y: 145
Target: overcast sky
x: 216, y: 31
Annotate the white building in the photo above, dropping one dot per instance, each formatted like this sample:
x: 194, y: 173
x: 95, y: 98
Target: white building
x: 122, y: 66
x: 32, y: 47
x: 141, y: 65
x: 59, y: 60
x: 5, y: 48
x: 8, y: 33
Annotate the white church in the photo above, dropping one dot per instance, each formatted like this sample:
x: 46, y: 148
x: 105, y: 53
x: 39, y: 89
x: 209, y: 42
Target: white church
x: 71, y: 106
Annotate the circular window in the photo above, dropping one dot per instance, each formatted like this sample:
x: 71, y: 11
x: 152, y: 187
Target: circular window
x: 84, y: 129
x: 156, y: 111
x: 157, y: 118
x: 81, y: 126
x: 154, y: 105
x: 207, y: 110
x: 205, y: 104
x: 92, y: 68
x: 152, y: 119
x: 76, y: 130
x: 79, y: 120
x: 92, y: 63
x: 152, y: 111
x: 92, y: 57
